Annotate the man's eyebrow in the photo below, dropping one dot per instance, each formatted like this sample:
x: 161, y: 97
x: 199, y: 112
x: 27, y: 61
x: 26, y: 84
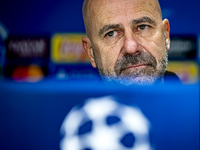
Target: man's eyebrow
x: 143, y: 20
x: 108, y: 27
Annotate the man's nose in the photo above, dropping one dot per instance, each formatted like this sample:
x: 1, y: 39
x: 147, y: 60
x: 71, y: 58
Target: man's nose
x: 131, y: 46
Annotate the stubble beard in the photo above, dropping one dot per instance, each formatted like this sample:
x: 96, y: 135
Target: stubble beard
x: 148, y: 75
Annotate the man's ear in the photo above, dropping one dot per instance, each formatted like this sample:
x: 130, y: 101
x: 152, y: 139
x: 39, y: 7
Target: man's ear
x: 167, y: 29
x: 87, y: 47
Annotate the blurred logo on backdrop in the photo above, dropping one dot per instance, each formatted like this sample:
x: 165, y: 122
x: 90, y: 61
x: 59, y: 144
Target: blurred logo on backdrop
x: 30, y: 47
x: 69, y: 59
x: 27, y: 73
x: 67, y: 48
x: 104, y: 124
x: 188, y: 71
x: 183, y: 47
x: 27, y: 58
x: 183, y: 56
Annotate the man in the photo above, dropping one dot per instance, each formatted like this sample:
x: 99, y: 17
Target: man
x: 127, y: 40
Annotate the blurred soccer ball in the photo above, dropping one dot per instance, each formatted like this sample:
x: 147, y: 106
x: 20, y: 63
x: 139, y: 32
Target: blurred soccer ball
x: 104, y: 124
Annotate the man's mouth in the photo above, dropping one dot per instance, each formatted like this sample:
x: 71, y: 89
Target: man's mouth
x: 135, y: 66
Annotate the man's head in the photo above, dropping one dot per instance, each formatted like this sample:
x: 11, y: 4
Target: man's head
x: 127, y: 40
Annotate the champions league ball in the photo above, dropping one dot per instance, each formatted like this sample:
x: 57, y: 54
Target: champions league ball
x: 104, y: 124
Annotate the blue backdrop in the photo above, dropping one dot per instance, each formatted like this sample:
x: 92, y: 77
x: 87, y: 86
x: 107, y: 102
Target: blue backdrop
x: 44, y: 16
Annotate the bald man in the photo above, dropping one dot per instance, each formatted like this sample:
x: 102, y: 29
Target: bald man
x: 127, y: 41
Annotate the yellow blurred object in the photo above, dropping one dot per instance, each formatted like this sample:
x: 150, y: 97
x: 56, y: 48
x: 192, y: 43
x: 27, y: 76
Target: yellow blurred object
x: 35, y: 73
x: 188, y: 71
x: 67, y: 48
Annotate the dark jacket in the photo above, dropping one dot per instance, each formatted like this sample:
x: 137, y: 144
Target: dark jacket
x: 171, y: 77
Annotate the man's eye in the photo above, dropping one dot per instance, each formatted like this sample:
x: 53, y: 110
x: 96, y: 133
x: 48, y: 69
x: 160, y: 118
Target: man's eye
x: 111, y: 33
x: 142, y: 27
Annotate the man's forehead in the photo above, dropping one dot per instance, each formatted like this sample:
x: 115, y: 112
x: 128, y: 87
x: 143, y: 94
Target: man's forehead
x: 103, y: 10
x: 94, y: 6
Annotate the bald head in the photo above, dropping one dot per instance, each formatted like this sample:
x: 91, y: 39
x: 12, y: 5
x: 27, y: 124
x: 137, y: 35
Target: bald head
x: 89, y: 7
x: 85, y: 15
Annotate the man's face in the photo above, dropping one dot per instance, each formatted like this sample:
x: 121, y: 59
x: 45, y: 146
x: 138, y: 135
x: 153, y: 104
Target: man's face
x: 128, y: 40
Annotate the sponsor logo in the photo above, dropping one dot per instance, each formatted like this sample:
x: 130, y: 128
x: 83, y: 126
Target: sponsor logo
x: 183, y: 47
x: 67, y: 48
x: 188, y: 71
x: 26, y: 47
